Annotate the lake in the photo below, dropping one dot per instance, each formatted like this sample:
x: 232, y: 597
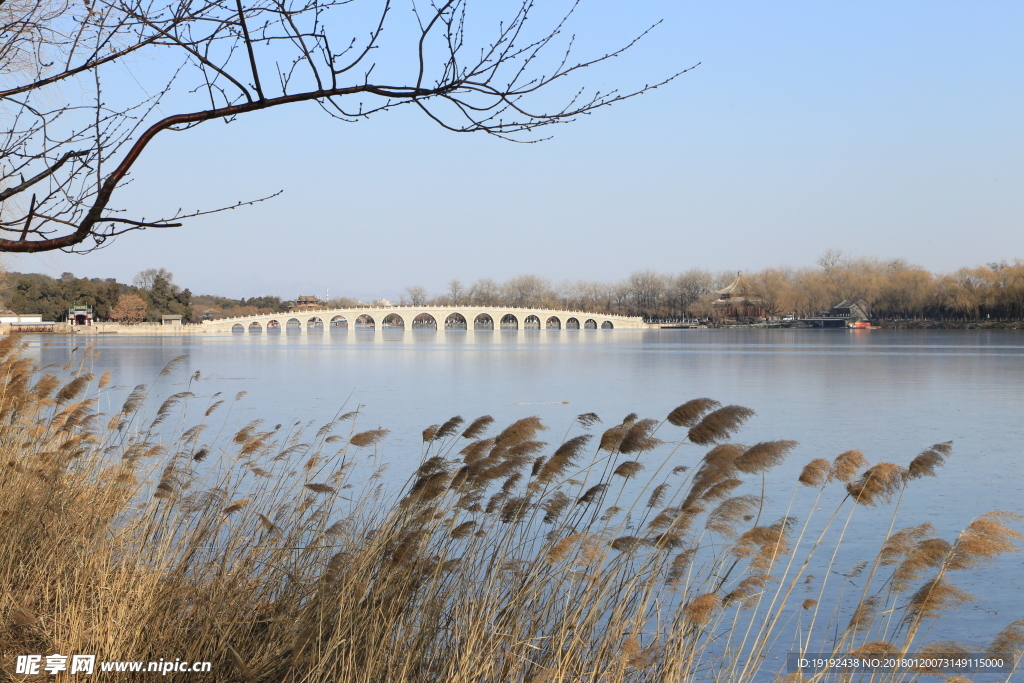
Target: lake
x: 889, y: 393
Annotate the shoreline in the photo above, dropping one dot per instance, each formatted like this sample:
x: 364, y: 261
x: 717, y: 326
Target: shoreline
x: 192, y: 329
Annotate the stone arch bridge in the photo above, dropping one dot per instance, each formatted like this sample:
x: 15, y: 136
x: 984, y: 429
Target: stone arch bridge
x: 424, y: 317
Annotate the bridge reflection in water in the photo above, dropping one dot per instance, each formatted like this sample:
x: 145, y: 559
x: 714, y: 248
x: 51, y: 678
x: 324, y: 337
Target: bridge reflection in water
x: 424, y: 318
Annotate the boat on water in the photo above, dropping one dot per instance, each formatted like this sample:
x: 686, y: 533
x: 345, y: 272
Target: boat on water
x: 863, y: 325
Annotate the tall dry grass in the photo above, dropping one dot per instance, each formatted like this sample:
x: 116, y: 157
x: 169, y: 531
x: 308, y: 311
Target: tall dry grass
x: 616, y: 554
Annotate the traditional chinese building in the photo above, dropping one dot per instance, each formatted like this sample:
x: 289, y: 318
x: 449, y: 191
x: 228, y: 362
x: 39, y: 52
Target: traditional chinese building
x: 307, y: 302
x: 851, y: 310
x: 733, y: 303
x: 80, y: 314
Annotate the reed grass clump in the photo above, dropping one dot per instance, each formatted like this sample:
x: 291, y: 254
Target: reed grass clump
x: 636, y: 556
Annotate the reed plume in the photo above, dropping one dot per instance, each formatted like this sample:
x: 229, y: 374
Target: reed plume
x: 554, y: 505
x: 700, y: 610
x: 934, y: 597
x: 563, y: 458
x: 657, y: 495
x: 587, y: 420
x: 1008, y: 643
x: 612, y: 438
x: 628, y: 469
x: 926, y: 462
x: 718, y: 425
x: 638, y: 438
x: 986, y: 537
x: 690, y: 413
x: 591, y: 493
x: 817, y: 472
x: 449, y: 427
x: 724, y: 518
x: 477, y: 450
x: 368, y: 438
x: 878, y: 483
x: 519, y: 431
x: 846, y: 464
x: 764, y: 456
x: 477, y: 427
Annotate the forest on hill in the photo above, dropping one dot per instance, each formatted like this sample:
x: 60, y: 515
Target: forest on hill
x: 151, y: 295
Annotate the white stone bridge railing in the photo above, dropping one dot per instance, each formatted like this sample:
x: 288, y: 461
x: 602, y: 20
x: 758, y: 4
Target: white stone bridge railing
x: 425, y: 317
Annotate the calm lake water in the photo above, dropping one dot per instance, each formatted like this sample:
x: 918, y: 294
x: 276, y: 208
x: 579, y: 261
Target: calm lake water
x: 889, y: 393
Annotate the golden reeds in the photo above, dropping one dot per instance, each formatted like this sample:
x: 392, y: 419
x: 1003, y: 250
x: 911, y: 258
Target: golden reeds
x: 270, y: 562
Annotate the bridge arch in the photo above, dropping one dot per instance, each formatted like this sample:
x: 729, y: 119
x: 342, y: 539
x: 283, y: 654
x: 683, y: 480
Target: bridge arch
x: 590, y: 324
x: 572, y: 324
x: 255, y: 327
x: 553, y: 323
x: 365, y: 321
x: 393, y: 320
x: 293, y: 325
x: 509, y: 322
x: 484, y: 321
x: 274, y: 325
x: 339, y: 322
x: 238, y: 327
x: 607, y: 325
x: 315, y: 323
x: 424, y: 321
x: 531, y: 322
x: 455, y: 321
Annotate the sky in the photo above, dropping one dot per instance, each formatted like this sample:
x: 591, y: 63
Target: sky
x: 893, y: 130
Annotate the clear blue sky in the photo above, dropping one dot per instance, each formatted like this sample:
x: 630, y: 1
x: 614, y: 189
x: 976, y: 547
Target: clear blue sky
x: 883, y: 129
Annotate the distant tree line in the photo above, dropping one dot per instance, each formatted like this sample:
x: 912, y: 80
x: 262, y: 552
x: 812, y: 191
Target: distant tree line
x: 893, y: 289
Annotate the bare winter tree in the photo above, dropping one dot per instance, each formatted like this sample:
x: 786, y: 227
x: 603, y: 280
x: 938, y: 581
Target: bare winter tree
x: 77, y: 123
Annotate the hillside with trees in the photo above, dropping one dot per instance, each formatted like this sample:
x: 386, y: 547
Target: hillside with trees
x: 152, y: 294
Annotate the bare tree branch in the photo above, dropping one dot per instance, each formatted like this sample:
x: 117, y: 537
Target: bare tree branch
x: 506, y: 85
